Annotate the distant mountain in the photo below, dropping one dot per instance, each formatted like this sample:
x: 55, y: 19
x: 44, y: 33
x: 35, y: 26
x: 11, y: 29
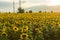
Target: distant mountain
x: 44, y: 8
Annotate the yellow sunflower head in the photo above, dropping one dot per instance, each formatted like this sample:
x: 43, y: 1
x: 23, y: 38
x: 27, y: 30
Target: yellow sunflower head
x: 23, y: 21
x: 0, y: 31
x: 4, y: 28
x: 20, y: 29
x: 23, y: 36
x: 35, y: 23
x: 15, y: 28
x: 29, y: 22
x: 57, y: 24
x: 53, y: 23
x: 25, y: 28
x: 4, y: 34
x: 37, y: 30
x: 9, y: 28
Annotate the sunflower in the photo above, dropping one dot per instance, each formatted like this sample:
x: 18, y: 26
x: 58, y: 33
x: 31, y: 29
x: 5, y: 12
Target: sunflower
x: 35, y: 23
x: 23, y: 36
x: 58, y: 23
x: 8, y: 28
x: 15, y: 28
x: 4, y: 28
x: 47, y: 21
x: 23, y: 21
x: 29, y: 22
x: 37, y: 30
x: 52, y: 23
x: 0, y: 30
x: 25, y: 28
x: 21, y: 30
x: 4, y: 34
x: 17, y: 22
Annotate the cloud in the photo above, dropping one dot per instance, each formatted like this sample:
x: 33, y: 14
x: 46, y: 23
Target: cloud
x: 39, y: 1
x: 6, y: 0
x: 6, y: 6
x: 28, y: 4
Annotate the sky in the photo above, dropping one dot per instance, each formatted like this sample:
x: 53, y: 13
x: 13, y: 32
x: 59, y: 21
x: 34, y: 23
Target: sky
x: 7, y: 5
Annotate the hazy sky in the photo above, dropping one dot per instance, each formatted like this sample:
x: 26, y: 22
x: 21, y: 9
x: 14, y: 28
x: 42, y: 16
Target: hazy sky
x: 7, y: 4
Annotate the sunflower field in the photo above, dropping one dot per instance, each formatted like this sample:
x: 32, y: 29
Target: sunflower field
x: 30, y: 26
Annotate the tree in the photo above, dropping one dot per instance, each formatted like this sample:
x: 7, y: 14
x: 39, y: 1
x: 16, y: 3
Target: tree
x: 26, y: 11
x: 20, y: 10
x: 40, y: 11
x: 51, y: 11
x: 30, y: 11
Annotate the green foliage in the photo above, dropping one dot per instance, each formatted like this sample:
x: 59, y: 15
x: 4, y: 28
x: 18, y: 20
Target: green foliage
x: 40, y: 11
x: 30, y: 11
x: 36, y: 26
x: 20, y: 10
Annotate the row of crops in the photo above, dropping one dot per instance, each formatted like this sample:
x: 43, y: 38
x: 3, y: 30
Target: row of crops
x: 31, y: 26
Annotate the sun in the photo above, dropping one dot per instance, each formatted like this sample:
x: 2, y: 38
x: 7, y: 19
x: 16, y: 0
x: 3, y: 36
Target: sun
x: 55, y: 2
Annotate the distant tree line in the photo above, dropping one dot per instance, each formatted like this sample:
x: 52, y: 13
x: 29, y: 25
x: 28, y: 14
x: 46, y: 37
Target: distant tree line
x: 20, y: 10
